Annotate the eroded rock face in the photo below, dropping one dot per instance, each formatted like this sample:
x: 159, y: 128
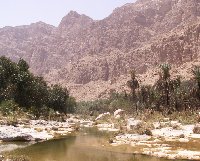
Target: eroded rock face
x: 83, y: 51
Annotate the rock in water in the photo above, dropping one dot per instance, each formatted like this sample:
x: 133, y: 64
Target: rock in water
x: 21, y: 137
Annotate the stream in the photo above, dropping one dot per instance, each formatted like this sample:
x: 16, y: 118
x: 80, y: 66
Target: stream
x: 87, y: 145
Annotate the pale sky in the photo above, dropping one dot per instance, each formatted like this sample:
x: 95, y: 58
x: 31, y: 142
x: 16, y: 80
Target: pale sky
x: 24, y: 12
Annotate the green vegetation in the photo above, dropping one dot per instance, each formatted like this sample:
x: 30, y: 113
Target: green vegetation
x: 133, y: 84
x: 167, y: 96
x: 21, y: 90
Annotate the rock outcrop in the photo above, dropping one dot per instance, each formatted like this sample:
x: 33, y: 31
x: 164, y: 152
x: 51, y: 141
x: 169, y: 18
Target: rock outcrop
x: 83, y: 53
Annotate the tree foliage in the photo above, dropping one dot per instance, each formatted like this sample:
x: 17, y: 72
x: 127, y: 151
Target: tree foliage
x: 133, y: 84
x: 17, y: 83
x: 196, y: 74
x: 167, y: 94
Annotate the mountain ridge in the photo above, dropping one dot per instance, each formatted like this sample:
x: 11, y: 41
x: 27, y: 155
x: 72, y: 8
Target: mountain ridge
x: 82, y: 51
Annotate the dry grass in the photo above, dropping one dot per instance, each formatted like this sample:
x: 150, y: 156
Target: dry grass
x: 185, y: 117
x: 149, y: 116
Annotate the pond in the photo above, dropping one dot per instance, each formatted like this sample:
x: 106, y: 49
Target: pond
x: 88, y: 145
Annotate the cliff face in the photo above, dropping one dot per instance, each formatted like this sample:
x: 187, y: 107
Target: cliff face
x: 81, y: 52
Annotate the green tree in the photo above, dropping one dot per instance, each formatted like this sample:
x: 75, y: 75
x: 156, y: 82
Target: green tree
x: 147, y: 95
x: 71, y: 104
x: 38, y: 93
x: 163, y: 84
x: 196, y: 74
x: 133, y: 84
x: 57, y: 99
x: 18, y: 84
x: 8, y: 70
x: 23, y: 65
x: 23, y: 82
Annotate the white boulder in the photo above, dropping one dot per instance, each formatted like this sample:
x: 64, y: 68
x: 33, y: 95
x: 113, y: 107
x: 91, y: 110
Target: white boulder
x: 132, y: 123
x: 118, y: 113
x: 103, y: 115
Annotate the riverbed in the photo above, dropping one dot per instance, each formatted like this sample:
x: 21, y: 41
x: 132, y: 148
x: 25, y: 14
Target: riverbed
x: 87, y: 145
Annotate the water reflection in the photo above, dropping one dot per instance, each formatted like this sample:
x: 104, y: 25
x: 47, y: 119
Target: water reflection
x: 84, y: 147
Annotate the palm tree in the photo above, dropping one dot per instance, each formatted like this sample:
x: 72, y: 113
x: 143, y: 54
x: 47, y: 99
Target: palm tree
x: 147, y: 95
x: 163, y: 84
x: 196, y: 74
x: 133, y: 84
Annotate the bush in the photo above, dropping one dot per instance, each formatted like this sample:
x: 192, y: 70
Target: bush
x: 93, y: 107
x: 71, y: 105
x: 8, y: 107
x: 121, y: 103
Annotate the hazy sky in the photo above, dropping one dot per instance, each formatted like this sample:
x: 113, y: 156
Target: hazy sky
x: 22, y: 12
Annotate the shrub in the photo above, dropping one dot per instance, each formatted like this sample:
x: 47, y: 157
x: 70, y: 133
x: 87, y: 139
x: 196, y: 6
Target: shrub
x: 8, y: 107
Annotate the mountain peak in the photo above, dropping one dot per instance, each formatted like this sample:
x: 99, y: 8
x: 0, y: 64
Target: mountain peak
x: 73, y: 14
x: 74, y: 17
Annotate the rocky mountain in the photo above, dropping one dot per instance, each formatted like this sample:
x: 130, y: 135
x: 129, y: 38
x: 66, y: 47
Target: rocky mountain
x: 94, y: 57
